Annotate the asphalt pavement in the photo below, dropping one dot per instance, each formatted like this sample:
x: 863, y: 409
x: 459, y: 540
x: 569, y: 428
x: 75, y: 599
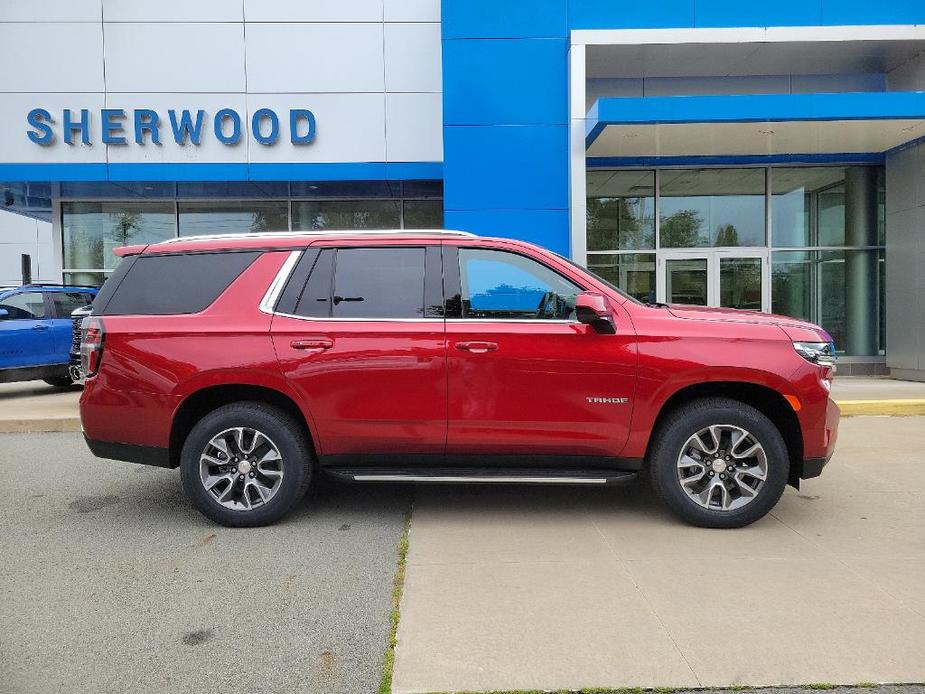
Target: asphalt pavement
x: 112, y: 582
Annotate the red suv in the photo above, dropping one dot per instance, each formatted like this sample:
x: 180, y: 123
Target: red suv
x: 255, y: 362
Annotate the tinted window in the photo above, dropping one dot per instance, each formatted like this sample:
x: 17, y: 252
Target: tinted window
x: 25, y: 306
x: 173, y: 284
x: 379, y: 283
x: 315, y: 299
x: 65, y: 302
x: 497, y: 285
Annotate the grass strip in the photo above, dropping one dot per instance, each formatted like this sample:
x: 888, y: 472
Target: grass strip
x: 398, y: 586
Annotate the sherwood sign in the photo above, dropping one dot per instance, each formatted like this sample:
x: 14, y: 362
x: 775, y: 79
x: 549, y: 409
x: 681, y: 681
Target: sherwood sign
x: 114, y: 126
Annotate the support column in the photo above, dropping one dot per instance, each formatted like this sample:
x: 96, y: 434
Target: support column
x: 862, y: 291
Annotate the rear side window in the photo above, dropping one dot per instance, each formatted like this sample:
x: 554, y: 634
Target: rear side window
x: 369, y: 283
x: 162, y: 285
x: 65, y: 302
x: 25, y: 306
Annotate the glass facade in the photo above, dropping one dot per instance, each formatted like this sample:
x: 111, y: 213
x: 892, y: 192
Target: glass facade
x: 806, y: 242
x: 91, y: 229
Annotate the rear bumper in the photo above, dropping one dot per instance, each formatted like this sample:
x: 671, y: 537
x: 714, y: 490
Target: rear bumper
x: 130, y: 453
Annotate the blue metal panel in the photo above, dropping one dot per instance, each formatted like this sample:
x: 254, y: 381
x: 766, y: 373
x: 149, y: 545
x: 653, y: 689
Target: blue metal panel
x: 505, y: 167
x: 494, y: 19
x: 837, y: 12
x: 52, y: 172
x: 733, y: 13
x: 548, y: 228
x: 611, y: 14
x: 498, y: 81
x: 178, y: 172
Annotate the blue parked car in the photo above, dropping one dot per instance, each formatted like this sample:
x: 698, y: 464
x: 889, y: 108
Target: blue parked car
x: 36, y: 331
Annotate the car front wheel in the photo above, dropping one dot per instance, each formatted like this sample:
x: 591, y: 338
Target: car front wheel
x: 246, y: 464
x: 719, y: 463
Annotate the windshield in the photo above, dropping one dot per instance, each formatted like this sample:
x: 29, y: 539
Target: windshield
x: 600, y: 279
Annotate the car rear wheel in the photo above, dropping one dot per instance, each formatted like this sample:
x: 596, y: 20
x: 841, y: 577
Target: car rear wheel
x: 59, y: 381
x: 719, y: 463
x: 246, y: 464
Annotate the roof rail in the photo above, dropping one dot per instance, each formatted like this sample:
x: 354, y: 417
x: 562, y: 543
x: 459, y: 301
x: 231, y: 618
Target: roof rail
x: 341, y: 232
x: 55, y: 284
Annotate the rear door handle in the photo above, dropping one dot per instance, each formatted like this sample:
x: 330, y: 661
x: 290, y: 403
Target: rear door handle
x: 317, y: 344
x: 477, y: 347
x: 40, y: 326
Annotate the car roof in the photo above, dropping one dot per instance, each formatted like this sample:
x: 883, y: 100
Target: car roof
x: 290, y: 240
x: 46, y: 287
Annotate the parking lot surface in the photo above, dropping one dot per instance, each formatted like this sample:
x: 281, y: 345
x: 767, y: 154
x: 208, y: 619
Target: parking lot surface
x: 527, y: 587
x: 111, y: 582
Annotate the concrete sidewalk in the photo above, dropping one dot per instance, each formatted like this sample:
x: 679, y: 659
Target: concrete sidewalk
x: 34, y: 406
x: 538, y: 588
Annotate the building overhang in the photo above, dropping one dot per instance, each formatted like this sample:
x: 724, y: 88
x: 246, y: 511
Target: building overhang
x: 859, y: 126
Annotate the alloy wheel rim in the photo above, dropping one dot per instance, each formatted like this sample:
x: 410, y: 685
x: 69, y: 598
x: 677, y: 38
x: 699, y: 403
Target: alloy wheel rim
x: 241, y: 468
x: 722, y: 467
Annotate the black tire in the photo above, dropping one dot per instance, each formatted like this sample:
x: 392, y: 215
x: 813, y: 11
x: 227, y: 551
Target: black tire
x: 59, y: 381
x: 672, y: 436
x: 288, y: 436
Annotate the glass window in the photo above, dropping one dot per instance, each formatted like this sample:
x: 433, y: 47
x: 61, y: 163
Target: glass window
x: 841, y: 290
x: 91, y: 230
x: 379, y: 283
x: 621, y: 210
x: 712, y: 207
x: 686, y: 281
x: 315, y: 298
x: 160, y: 285
x: 85, y: 279
x: 634, y: 273
x: 332, y: 215
x: 497, y: 285
x: 65, y: 302
x: 232, y: 217
x: 740, y: 283
x: 25, y: 306
x: 827, y: 206
x: 423, y: 214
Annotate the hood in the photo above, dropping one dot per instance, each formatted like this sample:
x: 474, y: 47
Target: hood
x: 794, y: 327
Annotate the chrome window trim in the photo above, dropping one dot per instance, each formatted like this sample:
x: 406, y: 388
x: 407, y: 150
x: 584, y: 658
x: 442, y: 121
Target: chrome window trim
x: 268, y: 303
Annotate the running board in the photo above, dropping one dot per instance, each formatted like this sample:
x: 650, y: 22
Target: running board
x: 482, y: 476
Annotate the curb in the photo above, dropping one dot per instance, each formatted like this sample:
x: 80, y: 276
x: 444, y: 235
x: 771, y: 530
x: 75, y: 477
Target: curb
x: 39, y: 425
x: 849, y: 408
x: 881, y: 408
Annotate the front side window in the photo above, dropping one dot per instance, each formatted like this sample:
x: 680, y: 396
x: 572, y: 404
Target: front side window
x: 25, y: 306
x: 503, y: 285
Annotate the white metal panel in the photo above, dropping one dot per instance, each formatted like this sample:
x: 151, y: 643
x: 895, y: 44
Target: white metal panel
x: 50, y: 11
x: 412, y: 10
x: 414, y: 127
x: 290, y: 58
x: 15, y: 146
x: 209, y: 149
x: 174, y: 57
x: 350, y: 128
x: 718, y: 139
x: 47, y: 57
x: 412, y: 58
x: 313, y: 10
x: 172, y: 11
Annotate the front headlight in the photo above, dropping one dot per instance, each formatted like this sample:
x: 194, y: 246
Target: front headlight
x: 822, y: 353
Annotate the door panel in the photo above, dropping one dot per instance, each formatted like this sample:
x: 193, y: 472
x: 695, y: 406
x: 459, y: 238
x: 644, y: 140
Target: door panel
x: 740, y: 281
x: 59, y: 306
x: 534, y: 391
x: 524, y: 376
x: 727, y: 278
x: 360, y: 348
x: 25, y: 335
x: 686, y: 281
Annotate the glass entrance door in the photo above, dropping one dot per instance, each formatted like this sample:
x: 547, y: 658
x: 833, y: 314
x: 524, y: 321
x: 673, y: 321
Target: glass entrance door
x: 726, y: 278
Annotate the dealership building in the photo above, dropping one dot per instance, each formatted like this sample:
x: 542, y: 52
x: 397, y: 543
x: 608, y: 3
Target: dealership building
x: 765, y: 156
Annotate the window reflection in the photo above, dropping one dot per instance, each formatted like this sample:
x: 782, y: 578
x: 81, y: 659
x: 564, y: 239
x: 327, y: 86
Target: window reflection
x: 233, y: 217
x: 621, y: 210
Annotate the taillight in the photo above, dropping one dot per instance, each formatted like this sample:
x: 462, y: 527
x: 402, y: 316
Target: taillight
x: 91, y: 345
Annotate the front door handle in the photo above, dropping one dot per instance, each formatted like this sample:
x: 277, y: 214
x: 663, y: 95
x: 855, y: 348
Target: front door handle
x: 315, y: 345
x: 40, y: 326
x: 477, y: 347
